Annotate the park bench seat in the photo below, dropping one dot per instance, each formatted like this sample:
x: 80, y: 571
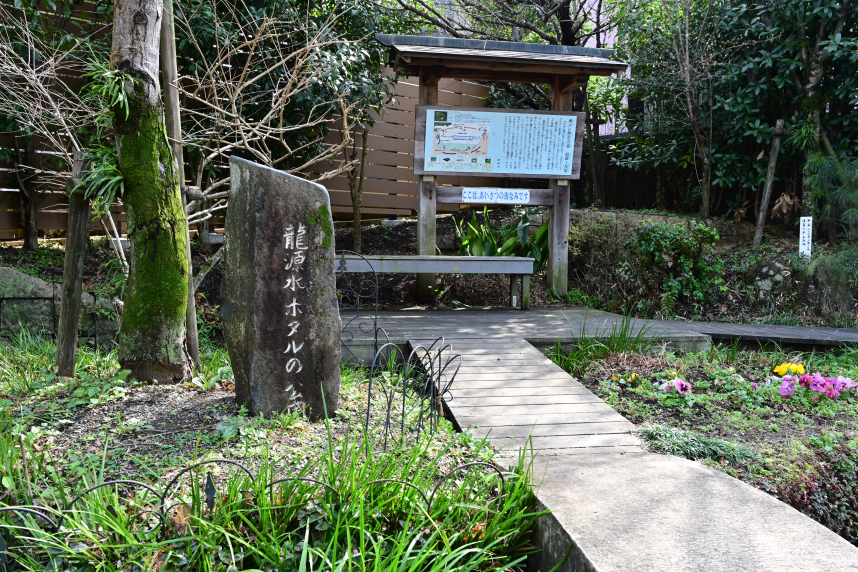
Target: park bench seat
x: 519, y: 269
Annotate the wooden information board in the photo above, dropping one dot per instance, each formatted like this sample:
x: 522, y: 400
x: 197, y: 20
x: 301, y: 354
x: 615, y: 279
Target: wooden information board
x: 481, y: 141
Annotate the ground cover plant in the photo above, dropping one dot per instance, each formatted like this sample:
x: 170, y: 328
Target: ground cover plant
x: 784, y: 421
x: 344, y: 502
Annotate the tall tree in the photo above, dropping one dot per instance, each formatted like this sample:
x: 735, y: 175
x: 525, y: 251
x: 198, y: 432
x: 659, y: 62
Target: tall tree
x: 152, y: 334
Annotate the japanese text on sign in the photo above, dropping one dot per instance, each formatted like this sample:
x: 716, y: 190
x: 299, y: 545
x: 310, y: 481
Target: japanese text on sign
x: 294, y: 243
x: 500, y: 196
x: 805, y: 235
x: 509, y: 143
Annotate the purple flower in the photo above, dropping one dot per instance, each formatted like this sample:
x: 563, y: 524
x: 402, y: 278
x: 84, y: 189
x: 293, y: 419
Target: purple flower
x: 754, y: 386
x: 676, y: 384
x: 787, y: 387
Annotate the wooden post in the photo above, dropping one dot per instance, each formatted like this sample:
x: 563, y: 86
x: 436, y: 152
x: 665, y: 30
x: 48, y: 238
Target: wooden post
x: 77, y: 238
x: 558, y: 226
x: 770, y: 178
x: 426, y: 195
x: 514, y: 287
x: 173, y: 124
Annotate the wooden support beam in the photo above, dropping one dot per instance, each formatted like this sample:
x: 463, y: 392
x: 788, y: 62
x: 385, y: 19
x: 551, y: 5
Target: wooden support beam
x: 568, y: 84
x: 558, y: 227
x: 426, y: 194
x: 77, y: 240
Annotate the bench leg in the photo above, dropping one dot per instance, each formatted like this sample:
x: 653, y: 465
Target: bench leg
x: 514, y: 281
x: 525, y: 292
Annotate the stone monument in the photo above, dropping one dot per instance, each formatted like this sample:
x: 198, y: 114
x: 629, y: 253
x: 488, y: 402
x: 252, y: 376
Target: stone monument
x: 279, y: 305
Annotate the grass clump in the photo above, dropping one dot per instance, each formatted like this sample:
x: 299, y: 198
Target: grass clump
x: 588, y: 350
x: 694, y: 446
x: 346, y: 510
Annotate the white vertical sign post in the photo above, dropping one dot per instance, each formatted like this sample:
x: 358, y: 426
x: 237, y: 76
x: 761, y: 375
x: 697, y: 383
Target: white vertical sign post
x: 805, y: 235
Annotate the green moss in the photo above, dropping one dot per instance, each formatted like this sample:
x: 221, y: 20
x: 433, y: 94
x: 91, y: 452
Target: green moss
x: 323, y: 217
x: 153, y: 320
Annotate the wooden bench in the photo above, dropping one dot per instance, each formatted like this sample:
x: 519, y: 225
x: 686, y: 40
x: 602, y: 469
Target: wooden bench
x: 519, y: 269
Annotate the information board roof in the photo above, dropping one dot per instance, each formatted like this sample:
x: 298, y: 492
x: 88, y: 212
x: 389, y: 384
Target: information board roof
x: 478, y: 58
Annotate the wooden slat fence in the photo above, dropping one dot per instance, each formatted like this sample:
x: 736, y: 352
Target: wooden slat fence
x: 390, y: 188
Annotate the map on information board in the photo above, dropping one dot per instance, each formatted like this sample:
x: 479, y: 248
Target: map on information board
x: 499, y: 142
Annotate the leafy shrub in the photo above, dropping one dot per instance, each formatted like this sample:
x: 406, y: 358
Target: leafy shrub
x: 677, y: 258
x: 827, y: 489
x: 477, y: 239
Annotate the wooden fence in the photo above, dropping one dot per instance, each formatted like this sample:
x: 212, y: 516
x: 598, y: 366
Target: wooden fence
x: 390, y: 188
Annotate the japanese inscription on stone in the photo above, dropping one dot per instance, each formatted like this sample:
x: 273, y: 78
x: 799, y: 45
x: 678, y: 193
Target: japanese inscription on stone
x: 281, y: 320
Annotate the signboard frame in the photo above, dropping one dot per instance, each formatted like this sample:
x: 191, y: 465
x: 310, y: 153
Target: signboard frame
x: 420, y: 143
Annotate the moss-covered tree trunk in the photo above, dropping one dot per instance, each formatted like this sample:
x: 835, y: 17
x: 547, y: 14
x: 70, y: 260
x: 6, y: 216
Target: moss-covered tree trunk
x: 152, y: 335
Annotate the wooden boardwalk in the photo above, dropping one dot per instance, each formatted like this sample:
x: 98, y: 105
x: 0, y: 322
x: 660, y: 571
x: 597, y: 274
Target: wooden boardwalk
x: 507, y: 390
x: 614, y: 507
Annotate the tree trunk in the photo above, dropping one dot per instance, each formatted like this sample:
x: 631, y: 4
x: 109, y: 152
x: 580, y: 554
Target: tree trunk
x: 29, y: 221
x: 29, y: 198
x: 152, y: 335
x: 705, y: 188
x: 767, y: 187
x: 356, y: 190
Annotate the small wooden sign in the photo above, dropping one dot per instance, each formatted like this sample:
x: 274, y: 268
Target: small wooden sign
x: 479, y: 141
x: 494, y: 196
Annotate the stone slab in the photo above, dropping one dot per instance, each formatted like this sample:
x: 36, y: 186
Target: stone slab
x: 279, y: 303
x: 643, y: 512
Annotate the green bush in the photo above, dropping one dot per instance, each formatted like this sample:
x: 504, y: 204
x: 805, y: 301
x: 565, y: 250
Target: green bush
x: 677, y: 258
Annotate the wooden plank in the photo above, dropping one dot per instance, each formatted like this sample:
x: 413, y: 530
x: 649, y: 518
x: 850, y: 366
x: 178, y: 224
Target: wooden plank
x: 540, y: 419
x: 395, y: 116
x: 461, y: 390
x: 374, y: 200
x: 477, y: 398
x: 561, y: 429
x: 569, y: 409
x: 382, y: 186
x: 437, y: 264
x: 569, y: 441
x: 453, y: 195
x: 382, y: 212
x: 464, y: 87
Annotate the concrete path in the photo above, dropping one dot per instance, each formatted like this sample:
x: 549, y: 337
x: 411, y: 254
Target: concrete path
x: 619, y: 508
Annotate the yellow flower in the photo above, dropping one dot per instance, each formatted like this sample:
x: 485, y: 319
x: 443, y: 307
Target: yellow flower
x: 615, y: 377
x: 787, y: 367
x: 634, y: 376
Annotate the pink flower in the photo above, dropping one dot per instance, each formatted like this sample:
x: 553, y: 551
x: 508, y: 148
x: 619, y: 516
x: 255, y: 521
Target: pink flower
x: 805, y: 380
x: 847, y: 383
x: 787, y: 387
x: 678, y: 385
x: 754, y: 386
x: 818, y: 383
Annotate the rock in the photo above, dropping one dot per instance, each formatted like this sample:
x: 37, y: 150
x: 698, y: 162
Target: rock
x: 281, y: 320
x: 768, y: 277
x: 825, y: 285
x: 15, y: 284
